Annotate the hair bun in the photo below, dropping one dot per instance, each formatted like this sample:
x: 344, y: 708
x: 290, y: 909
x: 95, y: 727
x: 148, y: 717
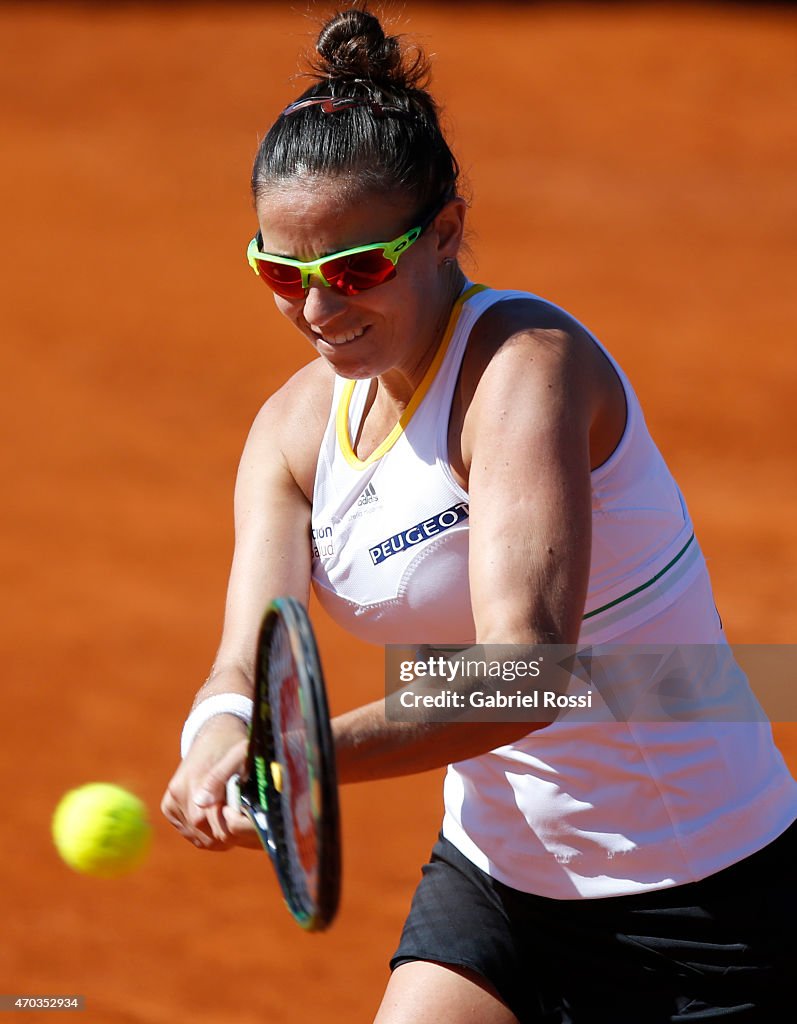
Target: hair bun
x: 352, y: 45
x: 345, y: 123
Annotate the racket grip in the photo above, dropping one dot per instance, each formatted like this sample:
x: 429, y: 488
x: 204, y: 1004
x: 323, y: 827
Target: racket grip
x: 234, y: 792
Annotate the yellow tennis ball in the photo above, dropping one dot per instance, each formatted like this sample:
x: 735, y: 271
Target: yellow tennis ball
x: 101, y: 830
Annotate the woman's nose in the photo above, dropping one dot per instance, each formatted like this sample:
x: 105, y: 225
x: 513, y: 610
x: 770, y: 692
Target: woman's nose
x: 322, y: 304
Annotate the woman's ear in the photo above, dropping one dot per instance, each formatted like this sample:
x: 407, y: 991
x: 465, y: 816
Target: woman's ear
x: 449, y: 226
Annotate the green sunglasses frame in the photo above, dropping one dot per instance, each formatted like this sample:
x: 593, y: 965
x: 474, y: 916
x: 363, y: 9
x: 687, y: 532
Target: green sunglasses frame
x: 390, y: 250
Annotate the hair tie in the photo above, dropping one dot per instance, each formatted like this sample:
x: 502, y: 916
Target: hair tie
x: 334, y: 104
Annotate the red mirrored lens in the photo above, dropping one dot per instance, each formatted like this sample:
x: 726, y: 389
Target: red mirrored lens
x: 358, y: 272
x: 348, y: 275
x: 284, y: 280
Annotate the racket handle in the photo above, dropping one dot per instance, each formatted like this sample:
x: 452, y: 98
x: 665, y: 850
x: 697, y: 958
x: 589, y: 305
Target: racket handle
x: 234, y: 792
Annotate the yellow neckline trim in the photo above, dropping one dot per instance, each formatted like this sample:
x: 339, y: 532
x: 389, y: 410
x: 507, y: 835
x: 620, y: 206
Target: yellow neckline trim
x: 342, y: 415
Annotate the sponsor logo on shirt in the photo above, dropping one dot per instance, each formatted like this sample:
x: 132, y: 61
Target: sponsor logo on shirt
x: 322, y: 543
x: 419, y: 533
x: 368, y: 497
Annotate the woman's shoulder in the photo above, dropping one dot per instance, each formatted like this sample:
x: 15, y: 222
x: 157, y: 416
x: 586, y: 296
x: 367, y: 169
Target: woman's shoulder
x: 291, y: 422
x: 522, y: 328
x: 304, y: 392
x: 524, y: 348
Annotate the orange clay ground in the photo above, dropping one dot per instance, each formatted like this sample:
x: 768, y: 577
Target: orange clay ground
x: 635, y: 164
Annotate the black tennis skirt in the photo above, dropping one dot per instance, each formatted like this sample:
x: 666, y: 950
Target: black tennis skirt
x: 721, y: 949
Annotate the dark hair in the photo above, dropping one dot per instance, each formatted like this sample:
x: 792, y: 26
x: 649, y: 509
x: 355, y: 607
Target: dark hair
x: 386, y: 139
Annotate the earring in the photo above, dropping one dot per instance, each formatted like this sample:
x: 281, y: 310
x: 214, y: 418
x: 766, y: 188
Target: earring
x: 448, y: 261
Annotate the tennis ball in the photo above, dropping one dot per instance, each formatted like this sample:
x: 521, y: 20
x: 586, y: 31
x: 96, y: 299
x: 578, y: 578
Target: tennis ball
x: 101, y: 830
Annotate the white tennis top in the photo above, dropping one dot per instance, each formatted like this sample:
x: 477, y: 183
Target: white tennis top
x: 577, y: 809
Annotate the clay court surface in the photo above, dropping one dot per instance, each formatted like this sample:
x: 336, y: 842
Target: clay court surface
x: 634, y: 163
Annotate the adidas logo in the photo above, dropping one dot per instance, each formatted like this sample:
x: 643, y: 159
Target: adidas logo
x: 368, y: 497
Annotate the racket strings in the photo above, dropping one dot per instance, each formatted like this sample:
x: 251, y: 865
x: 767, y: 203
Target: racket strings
x: 296, y: 816
x: 289, y: 788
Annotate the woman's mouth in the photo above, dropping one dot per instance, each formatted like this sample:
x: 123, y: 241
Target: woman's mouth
x: 340, y: 337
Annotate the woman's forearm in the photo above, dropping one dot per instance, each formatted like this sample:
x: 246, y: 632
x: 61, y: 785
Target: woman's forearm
x: 368, y: 746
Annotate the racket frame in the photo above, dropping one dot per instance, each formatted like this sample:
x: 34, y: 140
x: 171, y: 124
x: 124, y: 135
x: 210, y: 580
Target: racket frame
x: 256, y: 792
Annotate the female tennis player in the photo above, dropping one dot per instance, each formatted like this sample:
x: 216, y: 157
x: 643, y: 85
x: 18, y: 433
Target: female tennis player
x: 462, y: 464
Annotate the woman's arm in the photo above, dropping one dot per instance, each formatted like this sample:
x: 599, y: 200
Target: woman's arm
x: 272, y: 558
x: 526, y: 449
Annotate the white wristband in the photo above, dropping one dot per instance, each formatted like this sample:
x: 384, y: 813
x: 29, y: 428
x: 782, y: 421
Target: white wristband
x: 219, y: 704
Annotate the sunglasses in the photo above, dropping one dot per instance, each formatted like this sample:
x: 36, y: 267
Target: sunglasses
x: 348, y: 272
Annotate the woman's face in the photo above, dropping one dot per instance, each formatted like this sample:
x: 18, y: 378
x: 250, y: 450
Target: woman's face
x: 389, y: 327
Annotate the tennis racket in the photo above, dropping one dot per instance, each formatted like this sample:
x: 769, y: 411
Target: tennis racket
x: 288, y: 788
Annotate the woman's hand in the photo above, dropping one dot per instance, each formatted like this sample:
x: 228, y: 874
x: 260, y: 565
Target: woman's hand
x: 195, y: 801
